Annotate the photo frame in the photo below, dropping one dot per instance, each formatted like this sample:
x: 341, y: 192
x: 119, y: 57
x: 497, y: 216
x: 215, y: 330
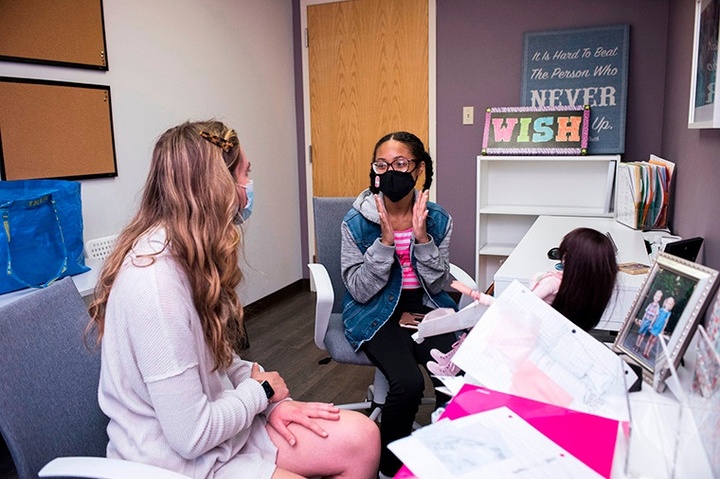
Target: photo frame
x: 704, y: 109
x: 706, y: 379
x: 670, y: 303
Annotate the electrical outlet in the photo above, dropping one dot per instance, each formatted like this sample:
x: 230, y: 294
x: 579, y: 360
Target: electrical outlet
x: 468, y: 115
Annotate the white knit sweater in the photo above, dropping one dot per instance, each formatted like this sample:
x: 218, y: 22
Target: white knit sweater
x: 166, y: 405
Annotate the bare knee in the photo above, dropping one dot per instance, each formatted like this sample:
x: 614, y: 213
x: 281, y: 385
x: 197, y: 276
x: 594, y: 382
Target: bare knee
x: 363, y: 445
x: 365, y: 433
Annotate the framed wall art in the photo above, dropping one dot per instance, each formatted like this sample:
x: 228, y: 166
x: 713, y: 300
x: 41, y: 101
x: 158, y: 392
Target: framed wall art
x: 52, y: 129
x: 536, y: 131
x: 669, y: 304
x: 69, y: 33
x: 704, y: 110
x: 581, y: 66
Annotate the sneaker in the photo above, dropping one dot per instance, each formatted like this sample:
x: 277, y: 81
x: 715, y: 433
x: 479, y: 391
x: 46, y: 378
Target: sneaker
x: 444, y: 358
x: 448, y: 369
x: 435, y: 415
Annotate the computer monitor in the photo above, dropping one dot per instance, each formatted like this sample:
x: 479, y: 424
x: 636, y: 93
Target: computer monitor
x: 686, y: 249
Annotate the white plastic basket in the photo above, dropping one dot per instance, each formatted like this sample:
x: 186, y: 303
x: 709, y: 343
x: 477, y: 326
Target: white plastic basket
x: 100, y: 248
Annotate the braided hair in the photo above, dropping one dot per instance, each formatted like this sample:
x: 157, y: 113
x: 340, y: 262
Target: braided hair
x: 417, y: 149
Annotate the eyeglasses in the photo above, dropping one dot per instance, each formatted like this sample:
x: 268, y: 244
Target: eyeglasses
x: 399, y: 164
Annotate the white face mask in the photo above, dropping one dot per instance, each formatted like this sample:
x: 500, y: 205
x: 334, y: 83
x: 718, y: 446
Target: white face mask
x: 244, y: 213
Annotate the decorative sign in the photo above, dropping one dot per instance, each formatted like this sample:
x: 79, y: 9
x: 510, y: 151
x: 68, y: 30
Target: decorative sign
x: 536, y: 131
x: 578, y: 67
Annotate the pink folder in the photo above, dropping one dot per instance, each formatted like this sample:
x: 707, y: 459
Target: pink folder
x: 589, y: 438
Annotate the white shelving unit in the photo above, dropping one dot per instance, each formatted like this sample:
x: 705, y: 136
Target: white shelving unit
x: 512, y: 191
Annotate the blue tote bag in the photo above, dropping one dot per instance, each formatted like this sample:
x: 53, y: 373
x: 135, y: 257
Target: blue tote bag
x: 42, y: 235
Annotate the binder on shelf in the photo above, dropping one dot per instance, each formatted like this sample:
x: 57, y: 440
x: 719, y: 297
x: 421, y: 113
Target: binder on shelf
x: 643, y: 193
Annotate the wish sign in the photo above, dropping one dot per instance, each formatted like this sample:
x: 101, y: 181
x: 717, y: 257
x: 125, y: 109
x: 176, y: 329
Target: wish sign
x: 536, y: 130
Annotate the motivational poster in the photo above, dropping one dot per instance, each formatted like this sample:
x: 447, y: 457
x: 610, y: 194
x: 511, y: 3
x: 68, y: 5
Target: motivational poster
x: 579, y: 67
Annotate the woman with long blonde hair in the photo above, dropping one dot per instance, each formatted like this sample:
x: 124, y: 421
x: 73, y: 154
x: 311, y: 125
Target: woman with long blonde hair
x: 169, y: 321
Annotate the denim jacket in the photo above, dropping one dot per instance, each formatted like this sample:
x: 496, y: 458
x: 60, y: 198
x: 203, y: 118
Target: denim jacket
x: 372, y: 273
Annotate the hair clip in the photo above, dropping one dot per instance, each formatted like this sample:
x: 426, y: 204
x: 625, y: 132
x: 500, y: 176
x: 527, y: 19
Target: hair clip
x: 225, y: 145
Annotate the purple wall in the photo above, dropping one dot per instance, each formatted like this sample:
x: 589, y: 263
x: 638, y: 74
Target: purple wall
x: 479, y: 63
x: 696, y: 152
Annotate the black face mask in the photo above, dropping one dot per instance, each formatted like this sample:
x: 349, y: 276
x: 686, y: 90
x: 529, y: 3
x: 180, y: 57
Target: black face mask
x: 396, y: 185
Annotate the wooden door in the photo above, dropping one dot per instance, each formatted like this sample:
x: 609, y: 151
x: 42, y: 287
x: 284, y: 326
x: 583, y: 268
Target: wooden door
x: 368, y: 76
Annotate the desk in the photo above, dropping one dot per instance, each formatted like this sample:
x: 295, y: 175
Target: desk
x: 664, y: 436
x: 530, y: 257
x: 85, y: 283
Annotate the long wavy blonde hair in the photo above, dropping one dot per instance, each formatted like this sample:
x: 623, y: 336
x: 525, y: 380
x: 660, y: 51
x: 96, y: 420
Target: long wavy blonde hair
x: 190, y: 192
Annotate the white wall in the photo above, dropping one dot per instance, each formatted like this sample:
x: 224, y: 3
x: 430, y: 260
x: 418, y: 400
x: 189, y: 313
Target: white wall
x: 177, y: 60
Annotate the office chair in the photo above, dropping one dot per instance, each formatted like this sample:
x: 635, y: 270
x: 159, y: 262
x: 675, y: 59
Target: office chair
x: 325, y: 274
x: 48, y: 391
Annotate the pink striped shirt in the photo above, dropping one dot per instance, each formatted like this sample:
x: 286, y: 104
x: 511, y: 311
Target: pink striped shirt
x: 402, y: 249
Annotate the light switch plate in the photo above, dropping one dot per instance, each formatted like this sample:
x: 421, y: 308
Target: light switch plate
x: 468, y: 115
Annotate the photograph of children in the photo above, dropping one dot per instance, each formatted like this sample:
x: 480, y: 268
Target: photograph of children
x: 658, y: 315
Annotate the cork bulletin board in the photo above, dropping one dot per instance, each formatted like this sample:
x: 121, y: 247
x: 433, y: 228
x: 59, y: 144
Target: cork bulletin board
x: 54, y: 32
x: 52, y: 129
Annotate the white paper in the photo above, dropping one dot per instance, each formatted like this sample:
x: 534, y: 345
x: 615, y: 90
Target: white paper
x: 453, y: 384
x: 494, y: 443
x: 524, y: 347
x: 445, y: 320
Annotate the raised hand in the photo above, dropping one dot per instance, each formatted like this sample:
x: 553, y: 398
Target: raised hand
x: 387, y: 236
x: 419, y: 217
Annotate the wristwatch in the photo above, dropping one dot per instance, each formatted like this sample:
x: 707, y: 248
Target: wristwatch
x: 269, y: 391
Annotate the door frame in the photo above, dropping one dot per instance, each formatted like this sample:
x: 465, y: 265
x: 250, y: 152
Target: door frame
x: 432, y: 107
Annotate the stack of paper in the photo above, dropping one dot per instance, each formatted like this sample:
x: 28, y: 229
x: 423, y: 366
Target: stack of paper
x: 523, y: 346
x: 510, y: 439
x: 486, y: 433
x: 643, y: 193
x: 552, y: 401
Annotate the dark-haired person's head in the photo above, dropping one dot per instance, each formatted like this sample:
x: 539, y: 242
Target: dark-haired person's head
x: 589, y: 272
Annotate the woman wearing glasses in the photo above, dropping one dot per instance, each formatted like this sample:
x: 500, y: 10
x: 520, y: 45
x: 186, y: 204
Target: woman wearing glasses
x: 395, y: 260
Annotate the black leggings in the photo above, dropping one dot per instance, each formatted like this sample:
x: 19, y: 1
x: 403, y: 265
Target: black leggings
x: 397, y: 355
